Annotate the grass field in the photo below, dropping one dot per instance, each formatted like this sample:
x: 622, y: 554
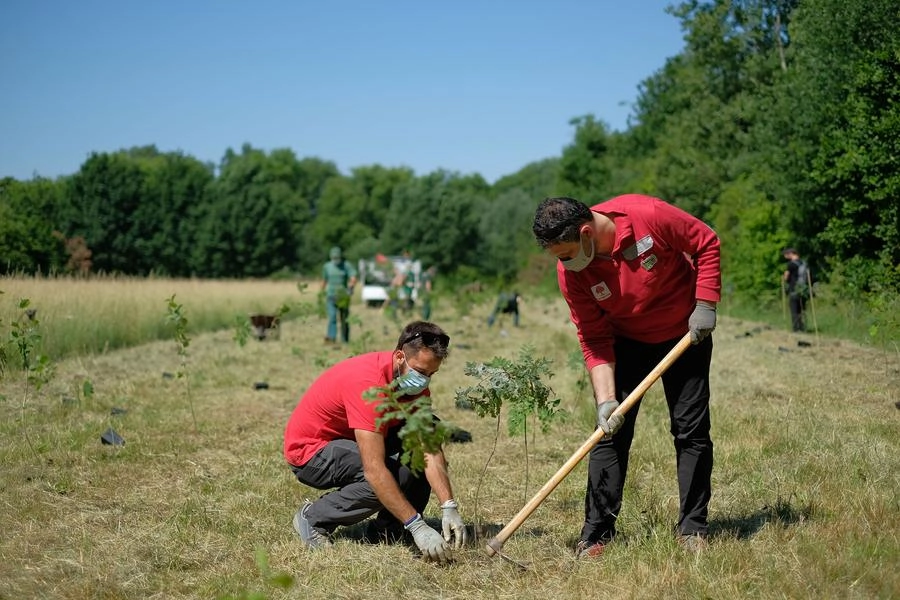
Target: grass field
x: 806, y: 497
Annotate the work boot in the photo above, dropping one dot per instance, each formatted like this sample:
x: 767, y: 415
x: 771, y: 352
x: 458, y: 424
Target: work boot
x: 314, y: 538
x: 586, y: 549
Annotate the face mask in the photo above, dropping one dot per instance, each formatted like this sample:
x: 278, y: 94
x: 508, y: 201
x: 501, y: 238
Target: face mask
x: 580, y: 261
x: 412, y: 382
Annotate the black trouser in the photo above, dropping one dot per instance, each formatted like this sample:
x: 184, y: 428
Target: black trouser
x: 339, y: 465
x: 796, y: 301
x: 686, y: 386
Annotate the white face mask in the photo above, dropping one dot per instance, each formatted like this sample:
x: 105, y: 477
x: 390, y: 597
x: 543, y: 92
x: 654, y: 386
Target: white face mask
x: 579, y: 262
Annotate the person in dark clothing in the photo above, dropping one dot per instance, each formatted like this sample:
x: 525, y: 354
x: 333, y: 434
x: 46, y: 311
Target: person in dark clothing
x: 796, y: 281
x: 507, y: 304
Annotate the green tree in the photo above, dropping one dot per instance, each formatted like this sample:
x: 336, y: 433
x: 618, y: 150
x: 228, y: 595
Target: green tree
x: 436, y: 218
x: 846, y: 85
x: 101, y: 200
x: 174, y: 194
x: 583, y: 168
x: 505, y: 240
x: 536, y: 180
x: 259, y: 215
x: 28, y: 221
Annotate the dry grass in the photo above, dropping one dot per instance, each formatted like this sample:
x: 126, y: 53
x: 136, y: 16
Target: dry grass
x: 805, y: 484
x: 104, y: 313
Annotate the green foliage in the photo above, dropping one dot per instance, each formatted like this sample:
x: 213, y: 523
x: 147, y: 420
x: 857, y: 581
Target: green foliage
x: 536, y: 180
x: 505, y: 235
x: 24, y: 340
x: 514, y: 384
x: 242, y: 330
x: 421, y: 432
x: 752, y: 259
x: 584, y: 170
x: 437, y: 217
x: 176, y: 316
x: 28, y: 240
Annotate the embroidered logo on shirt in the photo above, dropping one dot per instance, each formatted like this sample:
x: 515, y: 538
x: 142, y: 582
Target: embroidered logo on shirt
x: 639, y: 247
x: 648, y: 262
x: 601, y: 291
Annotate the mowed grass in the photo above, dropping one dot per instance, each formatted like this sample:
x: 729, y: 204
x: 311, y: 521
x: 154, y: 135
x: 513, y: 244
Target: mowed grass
x: 806, y: 493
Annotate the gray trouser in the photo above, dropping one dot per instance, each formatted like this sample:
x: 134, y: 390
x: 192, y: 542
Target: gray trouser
x: 339, y: 465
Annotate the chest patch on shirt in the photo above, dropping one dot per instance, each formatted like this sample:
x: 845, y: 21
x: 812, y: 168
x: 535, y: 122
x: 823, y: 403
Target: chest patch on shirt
x: 648, y: 262
x: 642, y: 245
x: 601, y: 291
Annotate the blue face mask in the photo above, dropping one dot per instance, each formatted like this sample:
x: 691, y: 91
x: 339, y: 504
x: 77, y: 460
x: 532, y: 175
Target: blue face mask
x: 412, y: 382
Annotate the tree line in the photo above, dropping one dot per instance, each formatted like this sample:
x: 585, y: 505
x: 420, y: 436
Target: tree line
x: 778, y: 124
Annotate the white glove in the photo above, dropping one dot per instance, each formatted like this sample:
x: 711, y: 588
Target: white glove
x: 429, y: 541
x: 701, y: 322
x: 452, y: 524
x: 606, y: 420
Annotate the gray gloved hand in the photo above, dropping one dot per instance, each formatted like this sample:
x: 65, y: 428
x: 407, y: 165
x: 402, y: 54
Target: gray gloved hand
x: 429, y: 541
x: 606, y: 420
x: 452, y: 524
x: 701, y: 322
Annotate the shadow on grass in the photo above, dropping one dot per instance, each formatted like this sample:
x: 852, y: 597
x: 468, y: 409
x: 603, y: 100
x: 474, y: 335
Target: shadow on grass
x: 783, y: 513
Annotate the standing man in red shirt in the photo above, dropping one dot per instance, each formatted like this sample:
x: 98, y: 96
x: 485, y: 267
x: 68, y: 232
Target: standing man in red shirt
x: 332, y: 441
x: 637, y: 274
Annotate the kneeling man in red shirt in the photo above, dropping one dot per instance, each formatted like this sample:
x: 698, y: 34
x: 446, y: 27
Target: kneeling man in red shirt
x: 332, y: 441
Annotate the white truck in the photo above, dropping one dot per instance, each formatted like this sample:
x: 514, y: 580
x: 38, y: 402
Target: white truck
x: 376, y: 275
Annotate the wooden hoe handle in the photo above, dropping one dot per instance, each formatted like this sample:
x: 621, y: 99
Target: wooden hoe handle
x: 496, y: 543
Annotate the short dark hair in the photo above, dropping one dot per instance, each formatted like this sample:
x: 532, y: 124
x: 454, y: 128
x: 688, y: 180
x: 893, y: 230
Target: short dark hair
x: 558, y: 220
x: 789, y: 250
x: 422, y: 334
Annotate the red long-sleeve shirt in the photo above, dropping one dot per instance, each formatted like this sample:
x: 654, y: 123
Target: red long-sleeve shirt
x: 663, y: 261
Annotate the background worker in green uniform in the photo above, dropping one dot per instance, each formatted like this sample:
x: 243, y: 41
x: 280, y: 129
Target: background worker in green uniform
x: 426, y: 286
x: 338, y: 280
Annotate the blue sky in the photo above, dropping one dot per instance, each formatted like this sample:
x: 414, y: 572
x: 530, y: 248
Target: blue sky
x: 466, y: 86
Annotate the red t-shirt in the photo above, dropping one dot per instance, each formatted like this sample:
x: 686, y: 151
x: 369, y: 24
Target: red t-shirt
x: 334, y: 406
x: 662, y: 262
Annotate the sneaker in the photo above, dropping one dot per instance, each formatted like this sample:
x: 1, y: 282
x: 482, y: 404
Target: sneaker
x: 586, y: 549
x: 313, y: 537
x: 693, y: 542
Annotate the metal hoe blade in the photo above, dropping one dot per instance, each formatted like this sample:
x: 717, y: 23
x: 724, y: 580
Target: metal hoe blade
x: 511, y: 560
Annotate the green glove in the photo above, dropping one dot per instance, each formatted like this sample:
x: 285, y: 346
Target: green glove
x: 429, y: 541
x: 452, y: 524
x: 701, y: 322
x: 606, y: 420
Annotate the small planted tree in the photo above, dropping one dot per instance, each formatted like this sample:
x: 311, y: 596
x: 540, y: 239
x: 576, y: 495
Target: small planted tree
x: 517, y: 386
x: 24, y: 338
x: 175, y: 315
